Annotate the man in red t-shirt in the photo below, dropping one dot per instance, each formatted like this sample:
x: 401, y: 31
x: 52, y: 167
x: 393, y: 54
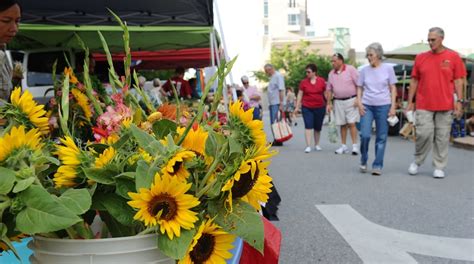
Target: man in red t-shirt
x: 182, y: 87
x: 437, y: 74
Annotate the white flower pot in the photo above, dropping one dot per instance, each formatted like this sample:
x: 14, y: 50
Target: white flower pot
x: 134, y: 249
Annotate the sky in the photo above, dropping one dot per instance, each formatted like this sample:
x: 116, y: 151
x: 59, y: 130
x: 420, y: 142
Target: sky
x: 392, y: 23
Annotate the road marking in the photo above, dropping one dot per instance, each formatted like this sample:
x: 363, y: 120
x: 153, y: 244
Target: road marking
x: 379, y: 244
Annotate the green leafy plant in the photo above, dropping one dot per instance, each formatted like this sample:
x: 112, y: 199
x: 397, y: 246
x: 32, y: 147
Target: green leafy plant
x: 293, y: 60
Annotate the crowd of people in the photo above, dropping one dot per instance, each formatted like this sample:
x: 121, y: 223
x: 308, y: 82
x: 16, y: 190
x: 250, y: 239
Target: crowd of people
x: 369, y: 96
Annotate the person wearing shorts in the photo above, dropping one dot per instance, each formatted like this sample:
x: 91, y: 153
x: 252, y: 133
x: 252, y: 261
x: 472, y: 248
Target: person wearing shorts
x: 342, y: 87
x: 311, y: 100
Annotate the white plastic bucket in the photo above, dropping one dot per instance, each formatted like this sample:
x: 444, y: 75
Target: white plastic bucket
x: 133, y: 249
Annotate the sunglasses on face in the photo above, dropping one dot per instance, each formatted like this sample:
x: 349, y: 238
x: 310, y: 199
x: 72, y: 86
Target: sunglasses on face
x: 431, y: 40
x: 245, y: 83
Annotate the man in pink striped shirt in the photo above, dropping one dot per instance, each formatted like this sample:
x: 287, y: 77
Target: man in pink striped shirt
x: 342, y: 87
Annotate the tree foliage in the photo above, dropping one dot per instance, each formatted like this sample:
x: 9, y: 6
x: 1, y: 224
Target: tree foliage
x: 293, y: 60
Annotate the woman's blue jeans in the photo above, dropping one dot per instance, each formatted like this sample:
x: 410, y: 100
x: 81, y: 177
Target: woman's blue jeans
x: 379, y: 113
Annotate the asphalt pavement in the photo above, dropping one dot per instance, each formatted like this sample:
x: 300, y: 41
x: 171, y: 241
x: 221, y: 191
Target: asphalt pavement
x: 416, y: 204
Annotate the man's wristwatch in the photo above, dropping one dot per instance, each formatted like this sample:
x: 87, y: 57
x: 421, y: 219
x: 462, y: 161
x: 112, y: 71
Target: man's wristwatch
x: 460, y: 101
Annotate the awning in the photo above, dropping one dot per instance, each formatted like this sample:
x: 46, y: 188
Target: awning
x: 165, y: 59
x: 135, y: 12
x: 150, y: 38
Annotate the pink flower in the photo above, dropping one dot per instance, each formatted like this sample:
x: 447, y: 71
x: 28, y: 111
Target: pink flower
x: 110, y: 121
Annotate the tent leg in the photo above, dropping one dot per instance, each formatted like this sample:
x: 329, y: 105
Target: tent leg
x: 211, y: 40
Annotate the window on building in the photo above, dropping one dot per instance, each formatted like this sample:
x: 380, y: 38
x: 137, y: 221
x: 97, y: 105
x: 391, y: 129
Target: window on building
x: 265, y: 29
x: 293, y: 19
x: 265, y: 8
x: 292, y: 3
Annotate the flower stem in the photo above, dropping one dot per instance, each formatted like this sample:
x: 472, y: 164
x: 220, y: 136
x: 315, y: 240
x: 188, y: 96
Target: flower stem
x: 147, y: 231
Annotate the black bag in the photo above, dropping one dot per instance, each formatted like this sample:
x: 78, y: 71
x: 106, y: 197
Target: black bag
x: 271, y: 207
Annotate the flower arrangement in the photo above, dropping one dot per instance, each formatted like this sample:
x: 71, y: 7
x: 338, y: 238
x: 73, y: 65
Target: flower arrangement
x: 133, y: 169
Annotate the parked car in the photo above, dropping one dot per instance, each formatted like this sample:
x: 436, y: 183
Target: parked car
x: 38, y: 69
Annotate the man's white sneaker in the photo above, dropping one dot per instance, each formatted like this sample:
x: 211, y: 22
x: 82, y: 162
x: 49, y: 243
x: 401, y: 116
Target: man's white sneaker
x: 307, y: 150
x: 363, y: 168
x: 437, y: 173
x: 342, y: 150
x: 413, y: 169
x: 355, y: 150
x: 317, y: 148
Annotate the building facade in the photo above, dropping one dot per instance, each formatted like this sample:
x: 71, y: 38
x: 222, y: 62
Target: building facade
x: 286, y: 22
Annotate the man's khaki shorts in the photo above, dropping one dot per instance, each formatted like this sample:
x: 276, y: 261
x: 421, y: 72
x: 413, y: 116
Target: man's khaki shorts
x: 345, y: 112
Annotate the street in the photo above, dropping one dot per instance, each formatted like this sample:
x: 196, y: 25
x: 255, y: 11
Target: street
x: 332, y: 213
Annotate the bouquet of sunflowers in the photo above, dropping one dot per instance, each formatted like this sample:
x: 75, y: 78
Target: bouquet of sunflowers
x: 135, y: 169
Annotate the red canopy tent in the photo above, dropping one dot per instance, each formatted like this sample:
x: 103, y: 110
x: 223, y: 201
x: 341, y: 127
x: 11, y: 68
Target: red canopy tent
x: 165, y: 59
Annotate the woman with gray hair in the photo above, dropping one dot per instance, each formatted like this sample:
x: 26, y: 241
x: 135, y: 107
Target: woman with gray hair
x: 376, y: 96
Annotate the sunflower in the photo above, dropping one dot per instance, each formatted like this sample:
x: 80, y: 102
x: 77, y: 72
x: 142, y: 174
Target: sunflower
x: 126, y: 122
x: 195, y: 139
x: 175, y: 165
x: 72, y: 78
x: 211, y: 244
x: 83, y: 102
x: 34, y: 112
x: 69, y: 156
x: 250, y: 183
x: 110, y: 139
x: 254, y: 127
x: 165, y: 204
x: 141, y: 154
x: 156, y: 116
x: 105, y: 158
x: 17, y: 138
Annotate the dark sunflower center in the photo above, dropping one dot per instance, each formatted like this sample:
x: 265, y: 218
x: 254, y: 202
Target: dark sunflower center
x: 203, y: 249
x: 177, y: 166
x: 166, y: 204
x: 245, y: 184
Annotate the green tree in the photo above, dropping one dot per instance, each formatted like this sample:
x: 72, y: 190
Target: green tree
x: 294, y: 60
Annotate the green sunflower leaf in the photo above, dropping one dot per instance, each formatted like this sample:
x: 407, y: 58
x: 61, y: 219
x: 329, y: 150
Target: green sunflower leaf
x: 116, y: 206
x: 7, y: 180
x: 43, y: 213
x: 124, y: 186
x: 77, y: 200
x: 145, y: 175
x: 124, y: 139
x: 164, y: 127
x: 115, y: 228
x: 104, y: 176
x: 23, y: 184
x: 178, y: 246
x: 235, y: 146
x: 146, y: 141
x: 243, y: 221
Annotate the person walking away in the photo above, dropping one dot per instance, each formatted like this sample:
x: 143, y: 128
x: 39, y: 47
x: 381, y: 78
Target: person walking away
x: 10, y: 14
x: 252, y: 96
x: 290, y: 105
x: 342, y: 88
x: 276, y: 90
x: 376, y: 96
x: 437, y: 74
x: 182, y: 87
x: 312, y: 102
